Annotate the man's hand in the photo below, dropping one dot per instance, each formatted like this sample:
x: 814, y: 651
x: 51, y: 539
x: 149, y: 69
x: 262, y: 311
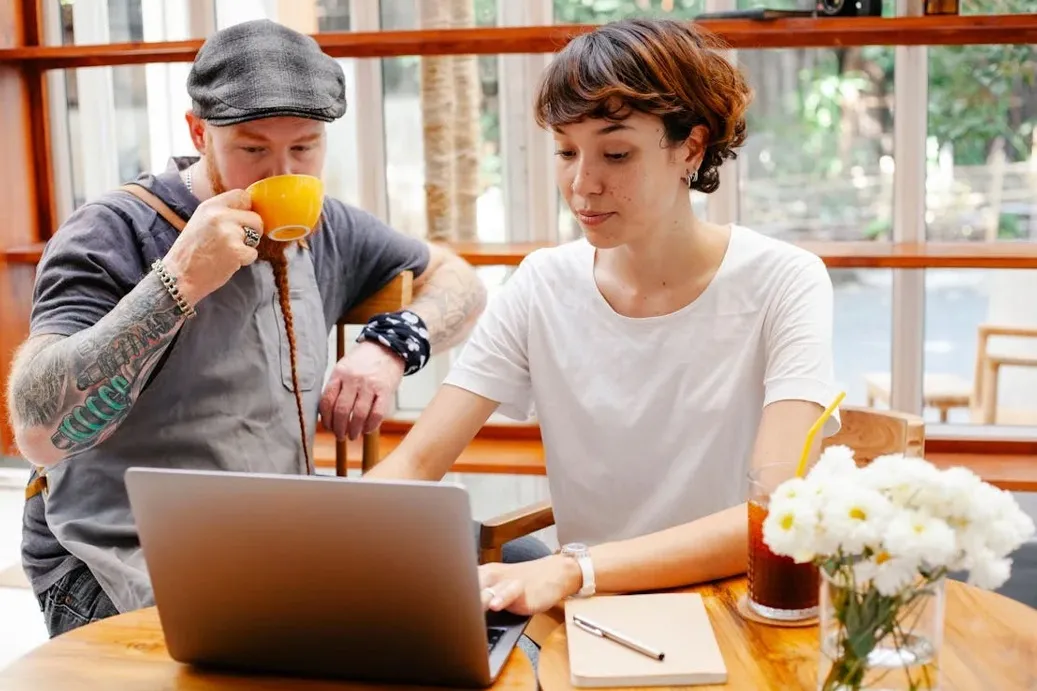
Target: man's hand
x: 211, y: 248
x: 529, y: 587
x: 358, y: 393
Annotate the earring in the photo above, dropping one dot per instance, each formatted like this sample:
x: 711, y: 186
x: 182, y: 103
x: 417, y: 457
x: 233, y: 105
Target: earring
x: 690, y: 178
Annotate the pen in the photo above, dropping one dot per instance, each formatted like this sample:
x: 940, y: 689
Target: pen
x: 605, y: 632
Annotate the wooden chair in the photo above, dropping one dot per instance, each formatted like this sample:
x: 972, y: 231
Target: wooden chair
x: 395, y: 295
x: 870, y: 433
x: 948, y: 391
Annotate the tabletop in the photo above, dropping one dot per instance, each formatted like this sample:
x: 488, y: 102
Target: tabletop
x: 990, y: 642
x: 128, y: 652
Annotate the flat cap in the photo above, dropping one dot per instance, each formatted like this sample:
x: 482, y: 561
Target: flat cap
x: 262, y: 69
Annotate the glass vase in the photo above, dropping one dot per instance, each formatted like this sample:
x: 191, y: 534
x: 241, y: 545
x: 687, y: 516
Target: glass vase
x: 874, y: 642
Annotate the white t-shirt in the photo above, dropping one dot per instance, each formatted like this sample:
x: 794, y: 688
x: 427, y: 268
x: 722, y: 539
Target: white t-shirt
x: 650, y: 422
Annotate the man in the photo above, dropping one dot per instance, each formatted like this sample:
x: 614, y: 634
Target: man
x: 196, y: 348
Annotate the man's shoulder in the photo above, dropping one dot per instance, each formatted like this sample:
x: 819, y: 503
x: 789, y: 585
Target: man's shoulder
x: 104, y: 223
x: 340, y: 217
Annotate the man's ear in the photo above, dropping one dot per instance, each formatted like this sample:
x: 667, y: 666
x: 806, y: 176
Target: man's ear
x: 196, y: 127
x: 695, y: 146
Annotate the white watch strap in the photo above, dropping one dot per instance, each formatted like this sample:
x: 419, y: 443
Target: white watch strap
x: 587, y: 568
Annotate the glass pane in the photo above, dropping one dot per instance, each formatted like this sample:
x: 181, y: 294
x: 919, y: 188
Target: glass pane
x: 980, y: 346
x: 118, y: 21
x: 109, y: 131
x: 888, y: 6
x: 600, y: 11
x: 412, y: 123
x: 818, y: 160
x: 982, y: 175
x: 862, y: 332
x: 998, y: 7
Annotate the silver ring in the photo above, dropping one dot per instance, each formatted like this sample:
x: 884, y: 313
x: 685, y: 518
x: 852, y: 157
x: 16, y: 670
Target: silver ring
x: 492, y: 593
x: 251, y: 237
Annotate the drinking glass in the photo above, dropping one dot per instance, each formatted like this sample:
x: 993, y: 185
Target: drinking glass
x: 779, y: 588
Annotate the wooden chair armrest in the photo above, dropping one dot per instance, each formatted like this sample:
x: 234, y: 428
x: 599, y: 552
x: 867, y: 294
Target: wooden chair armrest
x: 498, y: 530
x: 1000, y: 330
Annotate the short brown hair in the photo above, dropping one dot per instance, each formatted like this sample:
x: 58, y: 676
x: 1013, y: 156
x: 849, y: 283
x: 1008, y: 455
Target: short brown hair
x: 663, y: 67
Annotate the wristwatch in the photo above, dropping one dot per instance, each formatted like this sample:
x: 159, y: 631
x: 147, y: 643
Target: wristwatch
x: 582, y: 555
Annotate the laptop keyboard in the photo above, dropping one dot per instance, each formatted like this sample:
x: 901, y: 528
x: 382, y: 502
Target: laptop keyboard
x: 494, y: 635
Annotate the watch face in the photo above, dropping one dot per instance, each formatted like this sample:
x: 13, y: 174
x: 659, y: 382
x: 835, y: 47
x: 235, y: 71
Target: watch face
x: 574, y: 548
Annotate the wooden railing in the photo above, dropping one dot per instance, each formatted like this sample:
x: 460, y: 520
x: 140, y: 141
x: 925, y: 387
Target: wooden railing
x: 517, y: 449
x: 836, y: 255
x: 778, y: 33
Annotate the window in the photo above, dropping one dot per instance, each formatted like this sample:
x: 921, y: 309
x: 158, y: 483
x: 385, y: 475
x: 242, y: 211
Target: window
x: 980, y: 186
x: 818, y: 160
x: 601, y: 11
x: 456, y: 113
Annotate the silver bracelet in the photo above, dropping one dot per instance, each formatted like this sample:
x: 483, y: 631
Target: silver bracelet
x: 169, y: 281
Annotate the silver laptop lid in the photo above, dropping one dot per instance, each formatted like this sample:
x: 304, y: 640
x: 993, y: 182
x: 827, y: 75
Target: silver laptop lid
x: 314, y: 575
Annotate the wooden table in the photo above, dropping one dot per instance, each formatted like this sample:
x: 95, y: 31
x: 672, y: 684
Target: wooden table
x: 990, y: 644
x: 128, y: 653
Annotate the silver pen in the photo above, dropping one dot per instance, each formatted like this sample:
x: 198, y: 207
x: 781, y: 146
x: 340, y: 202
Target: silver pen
x: 612, y: 635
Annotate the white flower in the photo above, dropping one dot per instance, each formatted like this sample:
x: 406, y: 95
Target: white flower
x: 793, y: 488
x: 789, y: 528
x: 854, y: 517
x: 990, y: 572
x: 920, y: 537
x: 903, y: 479
x: 836, y: 462
x: 953, y: 494
x: 887, y: 573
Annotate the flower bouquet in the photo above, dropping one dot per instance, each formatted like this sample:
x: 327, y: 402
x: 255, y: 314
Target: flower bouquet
x: 885, y: 536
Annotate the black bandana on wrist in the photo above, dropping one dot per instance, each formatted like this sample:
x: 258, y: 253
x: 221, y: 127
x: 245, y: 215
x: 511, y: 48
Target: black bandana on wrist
x: 404, y: 333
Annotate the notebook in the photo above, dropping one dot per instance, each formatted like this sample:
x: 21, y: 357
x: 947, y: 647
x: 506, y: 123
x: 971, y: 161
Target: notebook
x: 675, y: 624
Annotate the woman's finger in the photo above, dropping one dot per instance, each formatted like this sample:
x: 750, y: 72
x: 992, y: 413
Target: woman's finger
x: 504, y: 593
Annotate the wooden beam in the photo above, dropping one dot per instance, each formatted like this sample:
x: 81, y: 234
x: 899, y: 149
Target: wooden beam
x: 836, y: 255
x: 739, y: 34
x: 492, y: 452
x: 21, y: 93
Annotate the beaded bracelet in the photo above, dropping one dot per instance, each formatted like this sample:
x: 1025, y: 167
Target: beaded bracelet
x: 169, y: 281
x: 404, y: 333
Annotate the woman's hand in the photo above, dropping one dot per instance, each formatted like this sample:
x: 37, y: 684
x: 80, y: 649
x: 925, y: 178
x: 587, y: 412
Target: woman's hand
x: 529, y: 587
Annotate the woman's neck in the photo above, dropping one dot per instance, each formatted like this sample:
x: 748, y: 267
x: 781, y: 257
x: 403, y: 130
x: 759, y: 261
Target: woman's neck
x: 684, y: 251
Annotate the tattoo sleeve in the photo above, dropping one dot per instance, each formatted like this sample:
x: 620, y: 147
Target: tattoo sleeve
x: 77, y: 390
x: 449, y: 302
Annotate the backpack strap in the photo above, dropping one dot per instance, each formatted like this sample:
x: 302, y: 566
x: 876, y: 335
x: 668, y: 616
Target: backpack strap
x: 38, y: 484
x: 148, y: 197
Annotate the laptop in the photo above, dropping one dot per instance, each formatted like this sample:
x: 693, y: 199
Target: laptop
x: 322, y: 577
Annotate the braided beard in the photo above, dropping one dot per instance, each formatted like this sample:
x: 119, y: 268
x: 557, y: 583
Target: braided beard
x: 273, y: 252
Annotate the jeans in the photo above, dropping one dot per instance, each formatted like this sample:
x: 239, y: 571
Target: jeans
x: 77, y: 598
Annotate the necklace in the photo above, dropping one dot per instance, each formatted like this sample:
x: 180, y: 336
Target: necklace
x: 188, y: 181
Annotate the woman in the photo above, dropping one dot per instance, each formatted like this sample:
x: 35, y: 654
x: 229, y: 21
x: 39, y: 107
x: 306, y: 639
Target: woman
x: 664, y: 355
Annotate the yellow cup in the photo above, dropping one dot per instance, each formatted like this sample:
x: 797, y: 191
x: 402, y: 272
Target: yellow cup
x: 289, y: 205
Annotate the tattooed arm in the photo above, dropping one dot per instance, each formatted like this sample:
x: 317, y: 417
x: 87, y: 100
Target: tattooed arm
x: 68, y: 394
x: 449, y: 297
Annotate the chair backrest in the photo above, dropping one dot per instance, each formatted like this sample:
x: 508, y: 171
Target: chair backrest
x: 395, y: 295
x: 872, y: 433
x: 984, y: 408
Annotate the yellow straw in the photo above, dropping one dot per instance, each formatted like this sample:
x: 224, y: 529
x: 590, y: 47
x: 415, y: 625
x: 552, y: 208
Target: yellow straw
x: 813, y: 432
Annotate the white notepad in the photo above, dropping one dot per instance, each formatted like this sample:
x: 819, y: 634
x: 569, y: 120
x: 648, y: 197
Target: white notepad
x: 674, y: 623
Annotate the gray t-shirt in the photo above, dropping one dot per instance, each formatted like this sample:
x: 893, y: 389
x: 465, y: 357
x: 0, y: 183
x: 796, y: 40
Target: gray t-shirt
x: 222, y: 397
